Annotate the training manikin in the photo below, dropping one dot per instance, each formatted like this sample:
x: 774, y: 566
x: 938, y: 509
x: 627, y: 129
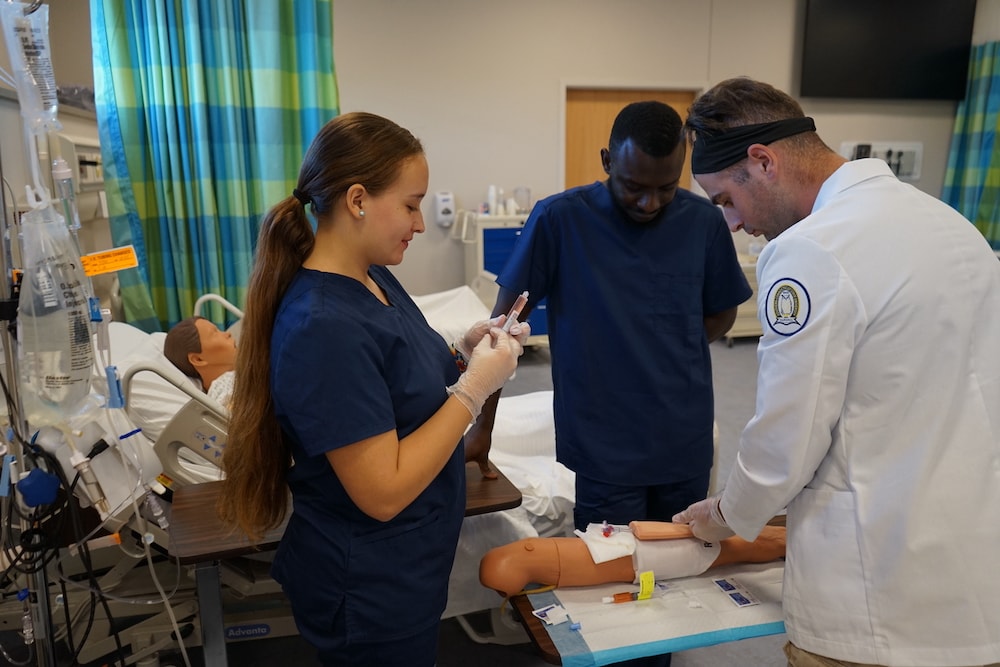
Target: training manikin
x: 603, y: 556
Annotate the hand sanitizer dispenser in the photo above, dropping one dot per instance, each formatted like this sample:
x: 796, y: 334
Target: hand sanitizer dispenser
x: 444, y: 208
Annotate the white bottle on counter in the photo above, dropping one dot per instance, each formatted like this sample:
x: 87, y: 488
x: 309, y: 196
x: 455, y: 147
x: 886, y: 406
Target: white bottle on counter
x: 491, y: 200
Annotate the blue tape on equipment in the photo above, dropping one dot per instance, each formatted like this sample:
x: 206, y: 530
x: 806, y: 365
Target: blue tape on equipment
x: 5, y: 475
x: 38, y: 488
x: 115, y: 397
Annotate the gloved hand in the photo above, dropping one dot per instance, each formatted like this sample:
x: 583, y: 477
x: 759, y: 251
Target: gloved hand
x: 493, y: 360
x: 706, y: 520
x: 520, y: 331
x: 476, y: 332
x: 471, y: 338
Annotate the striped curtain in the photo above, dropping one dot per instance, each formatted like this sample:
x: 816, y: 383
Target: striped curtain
x: 204, y: 110
x: 972, y: 180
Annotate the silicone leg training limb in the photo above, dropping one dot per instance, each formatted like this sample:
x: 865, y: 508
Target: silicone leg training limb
x: 559, y: 561
x: 769, y: 545
x: 566, y: 561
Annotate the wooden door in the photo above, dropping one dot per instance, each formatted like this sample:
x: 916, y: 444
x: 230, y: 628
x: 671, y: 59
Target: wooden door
x: 590, y: 112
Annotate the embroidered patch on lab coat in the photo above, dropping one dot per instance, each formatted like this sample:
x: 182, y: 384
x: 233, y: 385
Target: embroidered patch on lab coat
x: 788, y: 306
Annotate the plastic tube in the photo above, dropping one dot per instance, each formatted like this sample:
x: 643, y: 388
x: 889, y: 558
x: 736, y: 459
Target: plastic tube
x: 62, y: 179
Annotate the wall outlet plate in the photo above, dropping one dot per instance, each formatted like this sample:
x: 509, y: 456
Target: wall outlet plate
x: 903, y: 157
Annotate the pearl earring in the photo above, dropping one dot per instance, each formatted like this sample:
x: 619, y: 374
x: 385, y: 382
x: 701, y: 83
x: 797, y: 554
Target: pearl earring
x: 361, y: 213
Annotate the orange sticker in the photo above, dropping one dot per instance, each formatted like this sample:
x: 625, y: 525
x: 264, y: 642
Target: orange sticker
x: 107, y: 261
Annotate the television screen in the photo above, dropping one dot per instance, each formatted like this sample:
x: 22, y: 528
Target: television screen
x: 886, y: 49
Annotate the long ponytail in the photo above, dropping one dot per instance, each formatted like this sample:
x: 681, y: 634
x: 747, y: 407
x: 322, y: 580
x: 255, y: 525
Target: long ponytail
x: 256, y: 461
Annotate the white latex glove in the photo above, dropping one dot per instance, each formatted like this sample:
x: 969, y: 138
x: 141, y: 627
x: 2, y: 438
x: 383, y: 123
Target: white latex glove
x: 706, y: 520
x: 493, y: 361
x: 476, y: 333
x: 520, y: 331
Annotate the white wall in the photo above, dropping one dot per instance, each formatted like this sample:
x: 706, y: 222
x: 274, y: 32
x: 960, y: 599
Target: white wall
x: 482, y: 84
x: 987, y: 27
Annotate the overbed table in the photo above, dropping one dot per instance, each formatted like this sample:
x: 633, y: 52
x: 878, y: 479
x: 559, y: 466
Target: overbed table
x: 199, y: 538
x: 695, y: 612
x: 547, y: 648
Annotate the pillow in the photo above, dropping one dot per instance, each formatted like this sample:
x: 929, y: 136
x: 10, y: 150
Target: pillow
x: 525, y: 426
x: 524, y: 448
x: 152, y: 401
x: 452, y: 312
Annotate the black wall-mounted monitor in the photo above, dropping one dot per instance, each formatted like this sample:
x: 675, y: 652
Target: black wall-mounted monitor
x: 886, y: 49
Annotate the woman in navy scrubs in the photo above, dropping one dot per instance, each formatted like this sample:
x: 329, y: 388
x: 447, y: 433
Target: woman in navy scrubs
x: 346, y: 397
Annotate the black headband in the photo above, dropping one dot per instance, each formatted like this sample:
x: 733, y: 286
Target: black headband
x: 714, y: 153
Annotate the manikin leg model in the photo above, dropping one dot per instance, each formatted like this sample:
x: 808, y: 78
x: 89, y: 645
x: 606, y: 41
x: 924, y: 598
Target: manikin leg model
x: 567, y: 561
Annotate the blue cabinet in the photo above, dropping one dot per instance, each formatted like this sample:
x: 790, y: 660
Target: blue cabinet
x: 489, y: 241
x: 498, y: 243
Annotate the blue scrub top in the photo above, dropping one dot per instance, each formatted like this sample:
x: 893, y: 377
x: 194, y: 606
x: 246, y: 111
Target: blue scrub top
x: 345, y: 367
x: 631, y: 369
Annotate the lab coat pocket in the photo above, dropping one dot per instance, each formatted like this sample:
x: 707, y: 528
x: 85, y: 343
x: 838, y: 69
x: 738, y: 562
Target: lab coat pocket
x: 397, y: 582
x: 824, y: 589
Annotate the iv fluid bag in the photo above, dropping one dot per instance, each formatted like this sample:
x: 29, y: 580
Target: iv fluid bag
x: 55, y: 352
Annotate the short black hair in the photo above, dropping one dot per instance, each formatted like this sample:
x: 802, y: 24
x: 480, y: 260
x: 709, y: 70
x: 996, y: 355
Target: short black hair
x: 654, y: 127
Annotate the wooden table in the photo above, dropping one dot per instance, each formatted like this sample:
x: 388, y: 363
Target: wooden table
x: 536, y: 629
x: 198, y: 537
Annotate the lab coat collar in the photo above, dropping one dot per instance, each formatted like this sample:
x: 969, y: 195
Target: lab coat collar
x: 849, y: 174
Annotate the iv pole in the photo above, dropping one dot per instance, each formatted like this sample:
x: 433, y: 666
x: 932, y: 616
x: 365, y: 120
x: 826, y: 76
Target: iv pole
x: 42, y: 618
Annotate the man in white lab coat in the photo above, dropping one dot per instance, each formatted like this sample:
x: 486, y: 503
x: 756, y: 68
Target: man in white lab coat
x: 878, y: 397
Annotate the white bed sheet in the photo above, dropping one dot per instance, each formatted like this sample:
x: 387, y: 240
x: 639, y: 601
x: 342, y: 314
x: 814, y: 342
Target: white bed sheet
x: 152, y: 400
x: 452, y: 312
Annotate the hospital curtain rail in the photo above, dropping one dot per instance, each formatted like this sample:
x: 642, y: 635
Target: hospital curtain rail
x: 972, y: 178
x: 204, y: 111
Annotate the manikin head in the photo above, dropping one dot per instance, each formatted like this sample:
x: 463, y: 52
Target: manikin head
x: 200, y: 350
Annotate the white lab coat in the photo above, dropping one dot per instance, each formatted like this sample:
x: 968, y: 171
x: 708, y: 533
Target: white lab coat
x: 878, y: 425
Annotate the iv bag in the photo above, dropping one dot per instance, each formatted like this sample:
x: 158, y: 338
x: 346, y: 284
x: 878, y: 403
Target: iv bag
x: 27, y: 39
x: 55, y: 352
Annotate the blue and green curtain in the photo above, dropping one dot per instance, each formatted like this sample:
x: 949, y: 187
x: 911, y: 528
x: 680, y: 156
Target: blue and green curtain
x: 204, y: 109
x: 972, y: 179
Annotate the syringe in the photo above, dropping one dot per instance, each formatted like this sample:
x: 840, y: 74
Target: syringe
x: 515, y: 311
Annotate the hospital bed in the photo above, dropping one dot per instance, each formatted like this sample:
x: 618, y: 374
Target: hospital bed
x: 187, y: 431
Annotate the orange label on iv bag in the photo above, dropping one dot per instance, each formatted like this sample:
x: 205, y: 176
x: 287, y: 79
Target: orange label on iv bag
x: 108, y: 261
